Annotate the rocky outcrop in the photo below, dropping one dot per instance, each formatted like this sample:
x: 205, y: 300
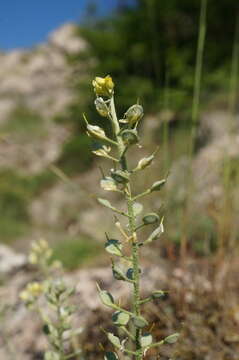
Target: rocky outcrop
x: 10, y: 261
x: 39, y: 78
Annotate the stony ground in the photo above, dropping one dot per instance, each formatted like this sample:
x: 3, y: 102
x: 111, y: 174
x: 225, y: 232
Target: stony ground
x: 202, y: 305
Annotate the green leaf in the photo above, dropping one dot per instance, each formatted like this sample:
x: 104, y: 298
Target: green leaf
x: 120, y: 318
x: 111, y: 356
x: 106, y: 298
x: 146, y: 340
x: 139, y: 321
x: 137, y: 208
x: 114, y: 340
x: 171, y: 339
x: 113, y: 247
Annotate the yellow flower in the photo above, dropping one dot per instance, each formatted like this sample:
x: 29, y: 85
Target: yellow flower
x: 35, y: 288
x: 103, y: 86
x: 24, y: 295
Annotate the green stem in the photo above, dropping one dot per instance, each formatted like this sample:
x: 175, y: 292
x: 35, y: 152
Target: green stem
x: 135, y: 251
x: 142, y: 194
x: 60, y: 332
x: 136, y: 285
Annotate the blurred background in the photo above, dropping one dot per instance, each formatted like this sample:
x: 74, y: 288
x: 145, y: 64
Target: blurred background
x: 181, y: 60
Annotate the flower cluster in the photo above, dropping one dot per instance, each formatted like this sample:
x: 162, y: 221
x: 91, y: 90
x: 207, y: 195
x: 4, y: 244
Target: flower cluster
x: 50, y: 297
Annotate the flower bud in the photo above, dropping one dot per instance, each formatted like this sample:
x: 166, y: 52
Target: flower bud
x: 103, y: 86
x: 103, y: 151
x: 96, y: 132
x: 133, y: 114
x: 120, y: 176
x: 158, y: 185
x: 143, y: 163
x: 101, y: 107
x: 108, y: 184
x: 150, y: 218
x: 129, y: 137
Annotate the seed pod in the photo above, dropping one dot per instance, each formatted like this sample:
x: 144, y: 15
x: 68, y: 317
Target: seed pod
x: 106, y: 298
x: 130, y: 274
x: 134, y: 114
x: 113, y: 247
x: 120, y: 176
x: 150, y: 218
x: 171, y: 339
x: 111, y: 356
x: 129, y: 137
x: 114, y: 340
x: 103, y: 86
x: 117, y: 273
x: 156, y: 233
x: 101, y: 107
x: 108, y: 184
x: 103, y: 151
x: 120, y: 318
x: 146, y: 340
x: 96, y: 132
x: 158, y: 294
x: 143, y: 163
x: 139, y: 321
x: 158, y: 185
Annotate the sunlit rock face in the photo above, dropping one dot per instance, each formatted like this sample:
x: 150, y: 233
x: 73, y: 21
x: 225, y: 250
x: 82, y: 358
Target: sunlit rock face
x: 39, y: 77
x: 39, y: 80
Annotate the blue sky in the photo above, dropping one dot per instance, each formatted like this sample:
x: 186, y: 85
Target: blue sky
x: 24, y: 23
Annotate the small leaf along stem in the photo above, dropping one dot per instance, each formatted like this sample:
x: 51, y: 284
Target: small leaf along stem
x: 120, y: 179
x: 132, y: 225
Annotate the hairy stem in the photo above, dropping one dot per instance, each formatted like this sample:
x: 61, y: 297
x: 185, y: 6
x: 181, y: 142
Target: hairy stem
x: 134, y: 246
x: 136, y: 284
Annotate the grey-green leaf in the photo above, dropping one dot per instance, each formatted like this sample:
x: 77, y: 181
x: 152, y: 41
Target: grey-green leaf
x: 146, y: 340
x: 114, y: 340
x: 120, y: 318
